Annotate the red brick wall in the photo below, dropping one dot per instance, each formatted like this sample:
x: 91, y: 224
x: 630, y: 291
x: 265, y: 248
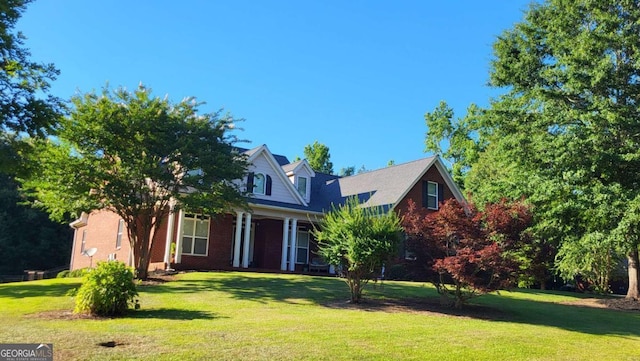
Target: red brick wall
x: 101, y: 232
x: 219, y: 251
x: 416, y: 192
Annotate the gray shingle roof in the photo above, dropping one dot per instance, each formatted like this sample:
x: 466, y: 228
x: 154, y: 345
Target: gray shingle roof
x: 289, y: 167
x: 382, y: 187
x: 281, y: 159
x: 385, y: 186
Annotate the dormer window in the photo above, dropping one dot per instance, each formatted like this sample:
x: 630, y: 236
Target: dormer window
x: 302, y: 186
x: 258, y: 183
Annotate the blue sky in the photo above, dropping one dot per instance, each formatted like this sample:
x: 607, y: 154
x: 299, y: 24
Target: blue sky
x: 357, y: 76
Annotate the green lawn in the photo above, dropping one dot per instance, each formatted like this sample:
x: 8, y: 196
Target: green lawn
x: 253, y: 316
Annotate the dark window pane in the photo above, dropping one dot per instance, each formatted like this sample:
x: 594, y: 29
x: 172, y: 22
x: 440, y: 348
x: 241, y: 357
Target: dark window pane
x: 200, y: 246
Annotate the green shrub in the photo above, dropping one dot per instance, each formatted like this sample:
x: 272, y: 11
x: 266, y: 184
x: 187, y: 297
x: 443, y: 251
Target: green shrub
x: 398, y: 272
x: 63, y: 274
x: 73, y: 274
x: 108, y: 290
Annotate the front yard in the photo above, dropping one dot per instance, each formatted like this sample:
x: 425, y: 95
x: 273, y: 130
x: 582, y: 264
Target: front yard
x: 253, y: 316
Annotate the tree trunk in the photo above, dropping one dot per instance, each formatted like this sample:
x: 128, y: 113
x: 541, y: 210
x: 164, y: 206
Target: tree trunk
x: 354, y: 286
x: 634, y: 291
x: 140, y: 239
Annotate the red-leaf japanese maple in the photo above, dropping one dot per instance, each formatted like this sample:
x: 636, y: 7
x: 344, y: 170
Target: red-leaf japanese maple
x: 466, y: 252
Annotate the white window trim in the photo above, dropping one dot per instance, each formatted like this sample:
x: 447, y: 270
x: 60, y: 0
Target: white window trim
x: 83, y: 245
x: 193, y: 237
x: 119, y: 234
x: 428, y: 195
x: 306, y: 186
x: 262, y: 191
x: 300, y: 230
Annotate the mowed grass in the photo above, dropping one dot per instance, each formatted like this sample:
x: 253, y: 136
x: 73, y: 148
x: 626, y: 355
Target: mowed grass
x: 254, y: 316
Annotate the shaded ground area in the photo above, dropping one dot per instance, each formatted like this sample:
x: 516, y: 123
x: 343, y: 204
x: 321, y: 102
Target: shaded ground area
x: 435, y: 307
x: 417, y: 305
x: 611, y: 303
x: 427, y: 305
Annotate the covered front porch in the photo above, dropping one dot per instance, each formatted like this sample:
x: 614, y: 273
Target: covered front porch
x: 265, y: 239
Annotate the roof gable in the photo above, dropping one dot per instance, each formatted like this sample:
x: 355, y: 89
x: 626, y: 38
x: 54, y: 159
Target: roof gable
x: 299, y: 167
x: 273, y: 164
x: 388, y: 186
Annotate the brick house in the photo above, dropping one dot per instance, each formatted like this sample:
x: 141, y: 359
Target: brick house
x: 287, y: 199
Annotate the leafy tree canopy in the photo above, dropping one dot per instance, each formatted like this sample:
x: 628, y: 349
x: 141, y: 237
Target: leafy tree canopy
x: 466, y: 252
x: 136, y: 154
x: 24, y: 105
x: 319, y: 158
x: 565, y: 133
x: 28, y: 235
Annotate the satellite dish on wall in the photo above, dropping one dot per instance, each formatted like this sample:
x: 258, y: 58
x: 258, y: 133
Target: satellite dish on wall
x: 89, y: 253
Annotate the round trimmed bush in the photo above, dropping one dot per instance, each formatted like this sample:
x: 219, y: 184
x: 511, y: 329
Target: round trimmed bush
x: 108, y: 290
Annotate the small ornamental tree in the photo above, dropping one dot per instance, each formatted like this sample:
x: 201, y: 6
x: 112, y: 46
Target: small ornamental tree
x: 466, y: 252
x: 136, y: 154
x: 358, y: 241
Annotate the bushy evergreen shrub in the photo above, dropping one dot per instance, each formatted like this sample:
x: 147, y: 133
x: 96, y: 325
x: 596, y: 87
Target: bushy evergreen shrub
x: 108, y: 290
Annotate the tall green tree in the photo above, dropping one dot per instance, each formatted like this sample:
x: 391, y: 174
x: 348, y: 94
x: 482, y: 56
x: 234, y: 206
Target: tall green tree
x: 358, y: 241
x: 135, y: 154
x: 28, y: 238
x: 572, y: 70
x: 464, y: 140
x: 319, y: 158
x: 347, y: 171
x: 25, y: 106
x: 566, y: 132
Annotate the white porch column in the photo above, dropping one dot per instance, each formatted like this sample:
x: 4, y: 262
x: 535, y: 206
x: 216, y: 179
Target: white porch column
x: 247, y: 241
x: 170, y: 225
x: 294, y: 244
x: 179, y: 240
x: 236, y: 246
x: 285, y: 243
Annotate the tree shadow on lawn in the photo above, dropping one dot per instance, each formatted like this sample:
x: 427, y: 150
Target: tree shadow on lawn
x: 36, y: 289
x: 572, y: 317
x: 333, y: 293
x: 159, y: 313
x: 261, y: 289
x: 173, y: 314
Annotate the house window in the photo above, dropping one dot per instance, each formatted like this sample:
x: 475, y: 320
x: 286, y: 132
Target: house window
x: 258, y: 183
x: 119, y: 235
x: 302, y: 186
x: 302, y: 254
x: 195, y: 235
x: 302, y: 248
x: 432, y: 195
x: 84, y: 240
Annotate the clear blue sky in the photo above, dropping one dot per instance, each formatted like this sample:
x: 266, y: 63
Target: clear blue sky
x: 357, y: 76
